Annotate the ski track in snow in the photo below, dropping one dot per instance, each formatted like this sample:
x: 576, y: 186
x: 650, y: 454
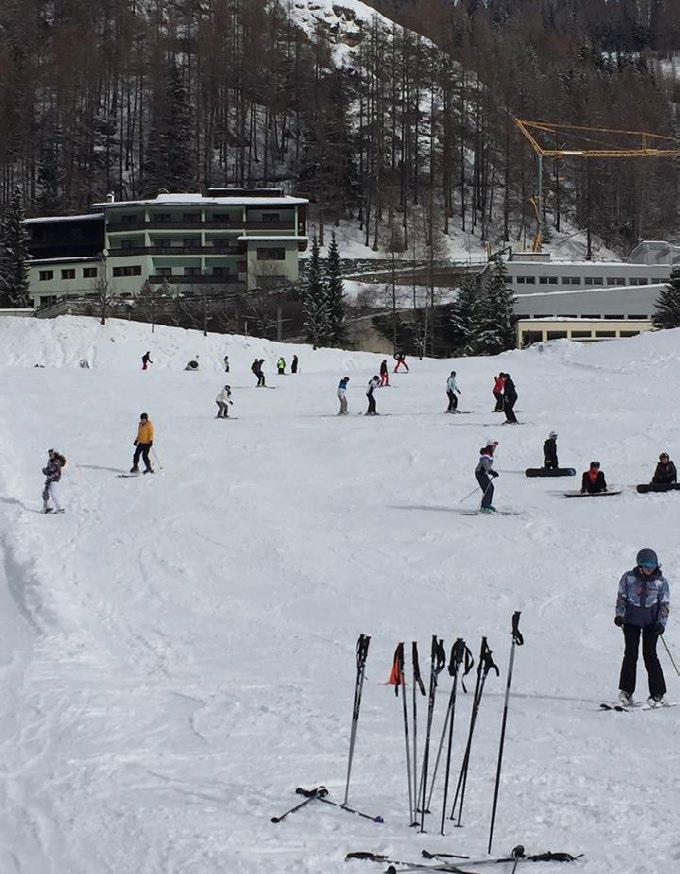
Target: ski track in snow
x: 177, y: 651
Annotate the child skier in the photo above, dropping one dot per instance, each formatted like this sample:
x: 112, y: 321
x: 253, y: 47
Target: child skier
x: 143, y: 443
x: 342, y: 395
x: 373, y: 384
x: 384, y: 374
x: 593, y: 481
x: 146, y: 360
x: 498, y: 386
x: 642, y: 607
x: 226, y: 363
x: 52, y: 471
x: 485, y: 474
x: 550, y: 461
x: 223, y: 401
x: 451, y: 389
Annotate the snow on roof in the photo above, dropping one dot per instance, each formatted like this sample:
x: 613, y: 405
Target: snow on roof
x: 90, y: 216
x: 55, y: 260
x: 581, y: 319
x: 247, y: 239
x: 656, y: 286
x: 566, y: 263
x: 200, y: 200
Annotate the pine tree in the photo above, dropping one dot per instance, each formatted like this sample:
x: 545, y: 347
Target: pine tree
x: 494, y: 319
x: 314, y: 301
x: 169, y: 158
x: 463, y: 312
x: 334, y: 292
x: 14, y: 256
x: 667, y: 308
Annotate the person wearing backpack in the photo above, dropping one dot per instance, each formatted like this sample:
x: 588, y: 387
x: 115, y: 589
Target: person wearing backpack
x: 143, y: 443
x: 52, y: 471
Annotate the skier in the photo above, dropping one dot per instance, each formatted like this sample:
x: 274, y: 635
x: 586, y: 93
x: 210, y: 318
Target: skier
x: 509, y: 399
x: 342, y: 395
x: 223, y: 401
x: 498, y: 386
x: 550, y: 461
x: 281, y: 366
x: 593, y: 481
x: 642, y: 606
x: 485, y: 474
x: 451, y: 389
x: 294, y: 364
x: 373, y: 384
x: 400, y: 358
x: 143, y: 443
x: 146, y: 360
x: 384, y: 374
x: 52, y: 472
x: 226, y: 363
x: 665, y: 472
x: 84, y: 363
x: 256, y: 367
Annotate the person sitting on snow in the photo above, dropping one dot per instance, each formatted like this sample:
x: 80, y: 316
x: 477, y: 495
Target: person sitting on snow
x: 593, y: 481
x: 665, y: 472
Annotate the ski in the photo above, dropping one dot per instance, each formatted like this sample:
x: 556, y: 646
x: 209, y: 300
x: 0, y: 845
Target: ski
x: 606, y: 494
x: 516, y: 856
x: 405, y: 866
x: 127, y: 475
x: 639, y: 705
x: 320, y: 793
x: 495, y: 513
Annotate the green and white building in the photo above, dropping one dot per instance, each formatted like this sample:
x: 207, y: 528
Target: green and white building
x: 227, y: 240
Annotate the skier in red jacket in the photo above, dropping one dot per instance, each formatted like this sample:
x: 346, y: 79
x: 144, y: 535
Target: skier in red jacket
x: 498, y: 389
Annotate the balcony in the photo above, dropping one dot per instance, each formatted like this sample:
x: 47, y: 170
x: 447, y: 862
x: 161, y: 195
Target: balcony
x: 203, y: 279
x: 185, y: 251
x: 124, y: 227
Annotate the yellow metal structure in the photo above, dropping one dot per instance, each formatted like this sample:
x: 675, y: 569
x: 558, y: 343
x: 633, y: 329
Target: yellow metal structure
x: 647, y: 146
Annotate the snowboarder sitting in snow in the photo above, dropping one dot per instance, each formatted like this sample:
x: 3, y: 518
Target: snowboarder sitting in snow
x: 550, y: 461
x: 642, y: 607
x: 143, y: 443
x: 281, y: 366
x: 146, y: 360
x: 342, y: 395
x: 451, y: 389
x: 665, y: 472
x: 372, y: 386
x: 52, y: 472
x: 223, y: 400
x: 484, y: 473
x: 593, y: 481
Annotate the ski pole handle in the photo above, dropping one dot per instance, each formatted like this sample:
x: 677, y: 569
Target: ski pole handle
x: 516, y: 634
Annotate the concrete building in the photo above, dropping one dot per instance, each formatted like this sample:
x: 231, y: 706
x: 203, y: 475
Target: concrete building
x: 226, y: 240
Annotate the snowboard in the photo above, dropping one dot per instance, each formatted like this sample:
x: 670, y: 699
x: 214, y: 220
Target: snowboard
x: 542, y: 471
x: 607, y: 494
x: 643, y: 488
x: 129, y: 475
x: 638, y: 705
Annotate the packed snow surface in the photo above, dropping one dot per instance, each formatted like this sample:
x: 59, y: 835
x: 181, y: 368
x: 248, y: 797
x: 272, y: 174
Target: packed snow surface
x: 178, y: 651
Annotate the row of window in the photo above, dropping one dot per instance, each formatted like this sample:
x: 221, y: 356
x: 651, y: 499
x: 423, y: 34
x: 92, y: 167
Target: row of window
x: 194, y: 218
x: 615, y: 316
x: 192, y: 271
x: 67, y: 273
x: 533, y: 336
x: 586, y: 280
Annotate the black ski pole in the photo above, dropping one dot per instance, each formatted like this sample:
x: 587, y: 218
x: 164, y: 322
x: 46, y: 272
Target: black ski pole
x: 461, y: 657
x: 418, y: 685
x: 362, y: 652
x: 437, y: 663
x: 313, y: 794
x: 517, y: 640
x: 320, y: 793
x: 398, y: 680
x: 484, y: 665
x: 670, y: 655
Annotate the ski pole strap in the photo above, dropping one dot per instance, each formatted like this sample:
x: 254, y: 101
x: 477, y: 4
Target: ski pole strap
x: 486, y: 662
x: 438, y: 654
x: 417, y: 678
x: 397, y: 673
x: 317, y: 792
x: 516, y: 634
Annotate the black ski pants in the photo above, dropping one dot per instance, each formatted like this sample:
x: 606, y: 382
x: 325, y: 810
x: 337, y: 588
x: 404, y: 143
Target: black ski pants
x: 453, y: 400
x: 143, y: 450
x: 371, y: 404
x: 486, y: 485
x: 508, y: 409
x: 657, y: 684
x: 499, y: 402
x: 260, y: 379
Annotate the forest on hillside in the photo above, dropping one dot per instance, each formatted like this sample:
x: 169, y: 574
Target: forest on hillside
x: 409, y: 134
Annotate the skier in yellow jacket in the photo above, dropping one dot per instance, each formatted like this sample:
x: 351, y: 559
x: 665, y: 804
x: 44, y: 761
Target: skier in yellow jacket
x: 143, y: 444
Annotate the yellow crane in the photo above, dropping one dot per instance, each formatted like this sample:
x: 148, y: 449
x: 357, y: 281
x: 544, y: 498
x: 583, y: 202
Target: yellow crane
x: 532, y: 130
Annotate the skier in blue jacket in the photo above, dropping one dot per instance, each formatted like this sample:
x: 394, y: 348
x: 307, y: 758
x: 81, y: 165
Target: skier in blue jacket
x: 485, y: 474
x: 342, y: 395
x: 642, y: 607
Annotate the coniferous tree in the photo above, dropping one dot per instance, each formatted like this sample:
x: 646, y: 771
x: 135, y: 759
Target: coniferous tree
x: 667, y: 308
x: 314, y: 301
x: 334, y: 292
x: 494, y: 318
x: 14, y: 256
x: 169, y: 159
x: 462, y: 315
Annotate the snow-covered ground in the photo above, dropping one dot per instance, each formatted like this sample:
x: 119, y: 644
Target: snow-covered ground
x: 177, y: 651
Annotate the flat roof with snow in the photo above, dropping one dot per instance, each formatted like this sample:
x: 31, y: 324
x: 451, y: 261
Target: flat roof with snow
x: 90, y: 216
x: 200, y: 200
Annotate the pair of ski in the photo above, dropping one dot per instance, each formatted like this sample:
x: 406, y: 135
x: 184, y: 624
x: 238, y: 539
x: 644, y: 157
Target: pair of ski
x: 635, y: 705
x: 462, y: 864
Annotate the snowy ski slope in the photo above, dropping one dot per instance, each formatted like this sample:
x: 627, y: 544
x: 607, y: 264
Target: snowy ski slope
x: 177, y: 651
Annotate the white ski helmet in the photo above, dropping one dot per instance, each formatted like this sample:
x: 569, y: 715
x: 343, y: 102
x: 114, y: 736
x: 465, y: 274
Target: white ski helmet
x: 491, y: 441
x: 552, y: 435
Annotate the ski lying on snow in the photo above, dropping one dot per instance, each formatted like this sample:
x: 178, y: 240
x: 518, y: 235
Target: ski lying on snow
x: 497, y: 513
x: 543, y: 472
x: 629, y: 708
x: 607, y: 494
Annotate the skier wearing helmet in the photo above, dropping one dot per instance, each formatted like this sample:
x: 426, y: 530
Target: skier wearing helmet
x: 642, y: 607
x: 485, y: 474
x: 550, y: 461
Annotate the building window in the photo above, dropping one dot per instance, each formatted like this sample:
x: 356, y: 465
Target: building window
x: 69, y: 273
x: 273, y: 217
x: 543, y: 280
x: 45, y: 275
x: 638, y: 317
x: 191, y: 218
x: 164, y: 271
x: 163, y: 217
x: 598, y: 280
x: 588, y: 280
x: 191, y: 243
x: 619, y: 318
x: 628, y: 333
x: 659, y: 279
x: 571, y: 280
x: 192, y: 271
x: 552, y: 280
x: 221, y: 217
x: 591, y: 316
x: 89, y: 272
x: 520, y: 280
x: 220, y: 271
x: 128, y: 219
x: 556, y: 335
x: 580, y: 335
x: 643, y: 280
x: 271, y: 254
x: 616, y: 280
x: 132, y: 270
x: 605, y: 333
x: 127, y: 244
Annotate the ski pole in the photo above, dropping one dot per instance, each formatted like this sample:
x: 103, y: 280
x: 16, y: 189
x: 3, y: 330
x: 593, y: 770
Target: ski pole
x: 314, y: 793
x: 484, y: 665
x: 418, y: 685
x: 320, y: 793
x: 468, y: 496
x: 460, y: 657
x: 155, y: 455
x: 670, y: 655
x: 398, y: 680
x: 517, y: 640
x: 361, y: 653
x: 437, y: 663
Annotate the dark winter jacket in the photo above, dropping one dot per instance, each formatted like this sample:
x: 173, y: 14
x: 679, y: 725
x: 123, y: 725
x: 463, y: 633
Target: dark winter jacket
x: 509, y: 390
x: 643, y: 600
x: 665, y: 473
x: 52, y: 470
x: 592, y: 488
x: 383, y: 368
x: 550, y: 453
